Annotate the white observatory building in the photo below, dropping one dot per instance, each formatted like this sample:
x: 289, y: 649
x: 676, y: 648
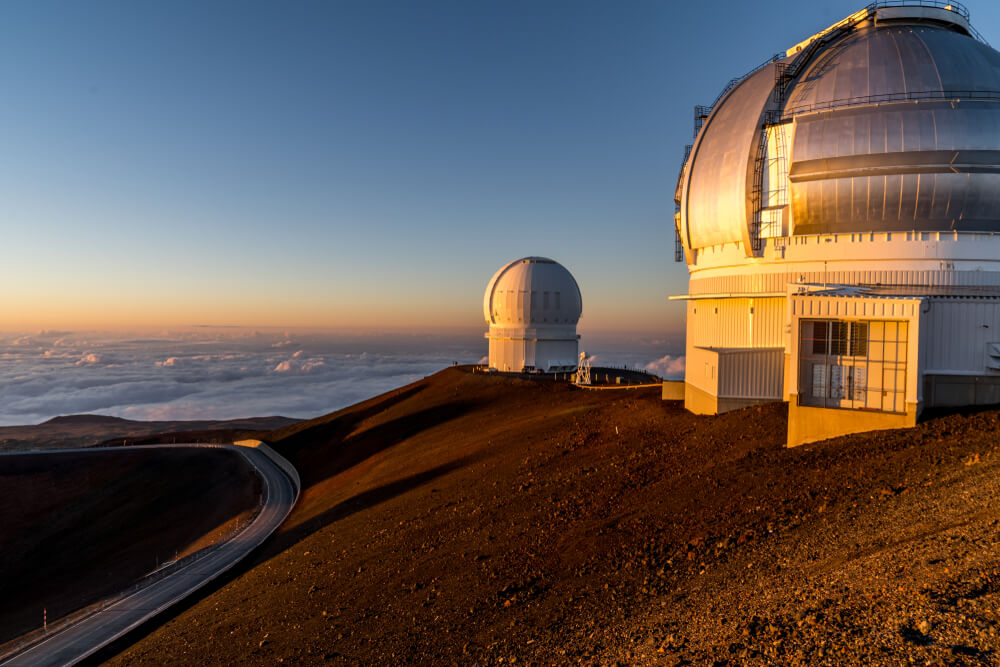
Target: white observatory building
x: 839, y: 213
x: 532, y: 306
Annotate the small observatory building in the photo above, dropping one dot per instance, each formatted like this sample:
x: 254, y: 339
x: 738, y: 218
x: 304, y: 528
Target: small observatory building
x: 532, y: 306
x: 839, y: 214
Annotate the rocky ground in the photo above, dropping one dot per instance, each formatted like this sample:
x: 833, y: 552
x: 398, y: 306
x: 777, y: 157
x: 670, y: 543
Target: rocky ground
x: 479, y: 520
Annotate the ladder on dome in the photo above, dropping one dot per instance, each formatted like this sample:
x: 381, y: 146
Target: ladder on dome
x: 778, y: 196
x: 701, y: 113
x: 775, y: 196
x: 757, y: 189
x: 678, y: 244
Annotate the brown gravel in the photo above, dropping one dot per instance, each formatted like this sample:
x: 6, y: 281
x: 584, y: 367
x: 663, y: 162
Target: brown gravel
x: 469, y: 519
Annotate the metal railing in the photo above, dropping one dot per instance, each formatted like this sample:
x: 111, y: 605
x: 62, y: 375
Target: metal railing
x: 735, y: 81
x: 702, y: 112
x: 788, y: 73
x: 956, y: 7
x: 678, y: 243
x: 792, y: 71
x: 908, y: 96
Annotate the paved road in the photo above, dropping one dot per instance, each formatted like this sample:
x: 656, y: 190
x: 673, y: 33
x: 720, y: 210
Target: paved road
x: 76, y: 642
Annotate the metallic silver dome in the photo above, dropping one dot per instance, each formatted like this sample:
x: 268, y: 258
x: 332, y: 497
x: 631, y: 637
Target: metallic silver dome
x: 893, y: 123
x: 902, y: 145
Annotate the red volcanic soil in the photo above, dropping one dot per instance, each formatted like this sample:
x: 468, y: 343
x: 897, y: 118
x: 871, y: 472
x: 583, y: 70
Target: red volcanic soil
x: 471, y: 519
x: 77, y: 527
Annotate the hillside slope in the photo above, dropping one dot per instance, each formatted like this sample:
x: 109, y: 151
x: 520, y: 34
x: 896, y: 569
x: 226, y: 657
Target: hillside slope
x: 470, y: 519
x: 76, y: 527
x: 88, y: 430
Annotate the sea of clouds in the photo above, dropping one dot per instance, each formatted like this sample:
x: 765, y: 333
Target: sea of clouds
x: 229, y: 375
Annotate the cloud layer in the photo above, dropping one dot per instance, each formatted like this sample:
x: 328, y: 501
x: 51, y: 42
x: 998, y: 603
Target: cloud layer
x: 242, y: 374
x: 667, y: 367
x: 44, y: 375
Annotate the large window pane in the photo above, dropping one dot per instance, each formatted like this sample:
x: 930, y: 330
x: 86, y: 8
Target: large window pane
x: 846, y: 364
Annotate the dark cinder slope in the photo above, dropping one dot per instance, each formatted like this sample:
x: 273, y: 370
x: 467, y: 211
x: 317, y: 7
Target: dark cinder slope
x: 469, y: 519
x: 76, y: 527
x: 89, y: 430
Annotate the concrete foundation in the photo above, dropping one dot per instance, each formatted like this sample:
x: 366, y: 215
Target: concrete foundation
x: 808, y: 424
x: 950, y: 391
x: 702, y: 403
x: 673, y: 390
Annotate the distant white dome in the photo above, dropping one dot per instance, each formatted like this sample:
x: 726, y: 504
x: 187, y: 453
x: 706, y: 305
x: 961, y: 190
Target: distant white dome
x: 532, y: 291
x: 532, y: 306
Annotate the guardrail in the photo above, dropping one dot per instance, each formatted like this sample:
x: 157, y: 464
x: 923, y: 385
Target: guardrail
x: 279, y: 460
x: 948, y: 5
x: 606, y: 387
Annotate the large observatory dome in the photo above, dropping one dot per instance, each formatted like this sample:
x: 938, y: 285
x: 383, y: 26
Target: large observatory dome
x: 532, y: 290
x: 886, y: 121
x: 532, y: 306
x: 839, y: 214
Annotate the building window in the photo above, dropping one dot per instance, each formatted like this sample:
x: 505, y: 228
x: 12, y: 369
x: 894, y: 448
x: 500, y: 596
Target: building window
x: 853, y: 364
x: 545, y: 300
x: 838, y: 338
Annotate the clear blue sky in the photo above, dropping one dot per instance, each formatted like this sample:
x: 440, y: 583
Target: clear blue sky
x: 356, y: 163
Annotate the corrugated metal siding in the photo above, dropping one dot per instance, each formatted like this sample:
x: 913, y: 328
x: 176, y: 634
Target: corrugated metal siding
x: 733, y: 324
x: 751, y: 373
x: 768, y: 319
x: 957, y: 334
x: 737, y: 322
x: 854, y: 307
x: 778, y: 281
x: 703, y: 323
x: 720, y: 333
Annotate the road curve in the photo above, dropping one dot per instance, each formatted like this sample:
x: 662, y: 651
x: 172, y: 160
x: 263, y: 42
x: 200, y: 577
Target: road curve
x: 81, y: 639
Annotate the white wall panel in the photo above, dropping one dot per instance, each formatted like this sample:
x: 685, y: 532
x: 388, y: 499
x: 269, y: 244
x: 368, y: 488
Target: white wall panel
x: 959, y: 332
x: 752, y: 373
